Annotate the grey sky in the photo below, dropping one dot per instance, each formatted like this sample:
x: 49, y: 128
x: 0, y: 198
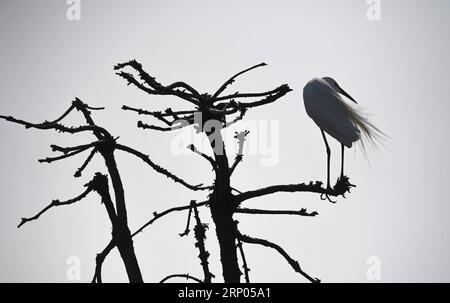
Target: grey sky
x: 397, y: 68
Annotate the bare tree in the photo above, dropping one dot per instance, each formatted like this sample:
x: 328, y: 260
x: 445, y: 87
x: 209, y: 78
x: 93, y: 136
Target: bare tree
x: 218, y: 111
x: 106, y: 145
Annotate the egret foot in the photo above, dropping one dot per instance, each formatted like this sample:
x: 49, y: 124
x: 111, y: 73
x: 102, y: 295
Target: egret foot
x: 342, y: 186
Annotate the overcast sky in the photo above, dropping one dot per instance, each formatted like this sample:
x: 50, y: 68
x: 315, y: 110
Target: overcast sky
x: 396, y: 68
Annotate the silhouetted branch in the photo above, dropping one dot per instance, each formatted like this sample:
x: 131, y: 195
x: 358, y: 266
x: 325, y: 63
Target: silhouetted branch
x: 294, y: 264
x: 240, y: 137
x: 99, y: 262
x: 277, y: 93
x: 187, y: 276
x: 302, y: 212
x: 208, y: 158
x: 86, y: 162
x: 156, y: 88
x: 244, y: 261
x: 58, y: 127
x: 341, y: 187
x: 55, y: 203
x: 157, y: 216
x: 242, y: 112
x: 157, y: 168
x: 180, y: 125
x: 188, y: 223
x: 167, y: 113
x: 232, y: 79
x: 64, y: 156
x: 200, y: 236
x: 65, y: 150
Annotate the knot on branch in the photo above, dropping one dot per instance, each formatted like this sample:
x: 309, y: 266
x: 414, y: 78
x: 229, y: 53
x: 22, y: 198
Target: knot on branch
x: 108, y: 144
x: 99, y: 184
x: 343, y: 186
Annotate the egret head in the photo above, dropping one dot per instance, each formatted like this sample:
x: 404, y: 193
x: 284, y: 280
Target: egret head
x: 337, y: 88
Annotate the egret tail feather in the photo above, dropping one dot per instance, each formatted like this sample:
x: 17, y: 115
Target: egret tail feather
x: 370, y: 135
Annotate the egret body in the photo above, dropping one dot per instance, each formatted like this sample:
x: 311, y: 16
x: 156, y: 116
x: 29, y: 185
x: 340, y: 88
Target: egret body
x: 334, y: 116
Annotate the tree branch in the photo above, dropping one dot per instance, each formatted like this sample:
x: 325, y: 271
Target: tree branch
x: 157, y: 216
x: 159, y: 169
x: 342, y: 186
x: 55, y: 203
x: 156, y: 88
x: 240, y: 137
x: 303, y: 212
x: 85, y: 163
x: 200, y: 236
x: 58, y: 127
x: 187, y: 276
x: 99, y: 262
x: 232, y: 79
x: 294, y: 264
x: 244, y: 261
x: 208, y: 158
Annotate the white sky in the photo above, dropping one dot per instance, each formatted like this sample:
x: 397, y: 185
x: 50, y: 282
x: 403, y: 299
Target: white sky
x: 396, y: 68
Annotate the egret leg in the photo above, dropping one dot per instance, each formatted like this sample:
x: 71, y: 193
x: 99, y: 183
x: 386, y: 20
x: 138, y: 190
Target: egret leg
x: 342, y: 161
x: 328, y: 158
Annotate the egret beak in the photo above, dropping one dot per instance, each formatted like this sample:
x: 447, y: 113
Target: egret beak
x: 343, y: 92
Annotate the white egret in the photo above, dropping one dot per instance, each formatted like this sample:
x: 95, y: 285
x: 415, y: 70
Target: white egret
x: 347, y: 124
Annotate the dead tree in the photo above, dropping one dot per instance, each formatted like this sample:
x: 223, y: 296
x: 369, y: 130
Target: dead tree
x: 106, y: 145
x: 218, y: 111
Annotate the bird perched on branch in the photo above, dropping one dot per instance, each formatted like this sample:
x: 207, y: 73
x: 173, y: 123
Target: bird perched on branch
x: 337, y: 118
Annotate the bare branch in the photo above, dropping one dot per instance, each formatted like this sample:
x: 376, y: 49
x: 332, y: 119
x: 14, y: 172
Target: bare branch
x: 342, y: 186
x: 188, y: 223
x: 58, y: 127
x: 240, y: 137
x: 208, y: 158
x: 159, y: 169
x: 302, y: 212
x: 294, y: 264
x: 200, y: 236
x: 99, y: 262
x: 64, y: 156
x: 85, y: 163
x: 244, y: 261
x: 65, y: 150
x: 157, y: 216
x: 187, y: 276
x: 156, y: 88
x: 232, y: 79
x: 55, y: 203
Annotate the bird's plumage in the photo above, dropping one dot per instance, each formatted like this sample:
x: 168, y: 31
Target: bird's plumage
x: 347, y: 124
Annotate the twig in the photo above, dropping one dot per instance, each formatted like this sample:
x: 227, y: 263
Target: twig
x: 64, y: 156
x: 157, y: 216
x: 341, y: 187
x: 58, y: 127
x: 187, y: 276
x: 85, y: 163
x: 302, y: 212
x: 244, y: 261
x: 294, y: 264
x: 200, y: 236
x: 159, y: 169
x: 99, y: 262
x: 240, y: 137
x: 55, y: 203
x: 208, y: 158
x: 231, y: 80
x: 156, y: 88
x: 187, y: 230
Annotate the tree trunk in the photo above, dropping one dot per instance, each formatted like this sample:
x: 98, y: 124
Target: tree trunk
x: 222, y: 208
x: 121, y: 232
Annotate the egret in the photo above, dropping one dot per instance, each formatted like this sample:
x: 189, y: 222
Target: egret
x: 345, y: 123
